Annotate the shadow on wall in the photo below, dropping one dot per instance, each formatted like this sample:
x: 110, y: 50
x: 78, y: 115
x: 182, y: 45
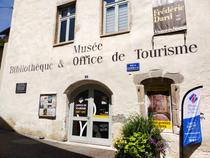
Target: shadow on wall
x: 4, y: 125
x: 15, y: 145
x: 188, y: 151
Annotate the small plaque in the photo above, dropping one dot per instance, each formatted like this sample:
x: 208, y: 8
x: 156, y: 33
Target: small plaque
x: 21, y: 87
x: 133, y: 67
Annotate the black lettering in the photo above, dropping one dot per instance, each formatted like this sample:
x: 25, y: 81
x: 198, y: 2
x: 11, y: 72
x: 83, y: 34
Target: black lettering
x: 83, y: 49
x: 12, y: 70
x: 41, y: 67
x: 114, y: 57
x: 100, y: 59
x: 77, y: 50
x: 117, y: 56
x: 181, y: 49
x: 93, y: 60
x: 94, y: 47
x: 158, y: 51
x: 164, y: 50
x: 121, y: 57
x: 100, y: 46
x: 193, y: 48
x: 89, y: 48
x: 32, y: 67
x: 87, y: 59
x: 152, y: 53
x: 49, y: 66
x: 19, y: 68
x: 25, y: 68
x: 82, y: 60
x: 75, y: 60
x: 170, y: 51
x: 144, y: 54
x: 138, y: 53
x: 37, y: 67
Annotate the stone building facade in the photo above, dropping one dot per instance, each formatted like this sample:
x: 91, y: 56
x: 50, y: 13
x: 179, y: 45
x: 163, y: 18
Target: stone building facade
x: 75, y: 70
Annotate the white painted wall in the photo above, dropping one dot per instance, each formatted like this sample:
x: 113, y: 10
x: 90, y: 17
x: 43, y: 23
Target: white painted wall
x: 31, y: 42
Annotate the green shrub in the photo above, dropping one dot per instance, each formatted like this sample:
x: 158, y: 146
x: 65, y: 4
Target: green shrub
x: 135, y: 146
x: 140, y: 139
x: 137, y: 123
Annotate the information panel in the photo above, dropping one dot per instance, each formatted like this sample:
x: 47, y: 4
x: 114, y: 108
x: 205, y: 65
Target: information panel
x: 47, y: 105
x: 168, y: 16
x: 191, y: 117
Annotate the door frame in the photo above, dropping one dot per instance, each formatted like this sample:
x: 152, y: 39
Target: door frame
x: 89, y: 139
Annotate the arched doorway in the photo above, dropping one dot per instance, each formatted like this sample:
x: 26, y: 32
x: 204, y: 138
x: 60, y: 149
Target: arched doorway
x: 90, y: 114
x: 167, y: 85
x: 158, y: 101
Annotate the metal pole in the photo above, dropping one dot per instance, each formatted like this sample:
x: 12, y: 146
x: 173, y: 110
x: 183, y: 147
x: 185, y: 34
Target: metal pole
x: 181, y: 130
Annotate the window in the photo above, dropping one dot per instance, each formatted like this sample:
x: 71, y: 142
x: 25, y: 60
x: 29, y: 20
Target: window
x: 115, y: 16
x: 66, y: 23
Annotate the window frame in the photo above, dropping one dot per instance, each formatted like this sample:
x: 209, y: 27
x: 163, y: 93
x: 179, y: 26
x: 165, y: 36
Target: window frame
x: 116, y: 27
x: 59, y: 19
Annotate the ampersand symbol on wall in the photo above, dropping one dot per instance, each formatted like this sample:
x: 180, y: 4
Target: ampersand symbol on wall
x: 60, y: 64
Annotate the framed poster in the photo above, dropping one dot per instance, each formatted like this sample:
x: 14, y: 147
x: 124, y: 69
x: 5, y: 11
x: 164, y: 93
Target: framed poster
x: 160, y: 110
x: 47, y: 106
x: 168, y: 16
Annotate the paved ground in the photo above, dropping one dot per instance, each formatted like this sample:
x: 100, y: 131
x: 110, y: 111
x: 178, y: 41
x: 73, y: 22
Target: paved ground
x: 13, y: 145
x: 93, y: 151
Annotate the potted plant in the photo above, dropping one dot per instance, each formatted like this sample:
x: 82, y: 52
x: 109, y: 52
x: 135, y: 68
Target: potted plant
x: 140, y: 138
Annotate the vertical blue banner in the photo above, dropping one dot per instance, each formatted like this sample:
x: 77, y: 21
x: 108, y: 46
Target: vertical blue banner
x: 191, y: 117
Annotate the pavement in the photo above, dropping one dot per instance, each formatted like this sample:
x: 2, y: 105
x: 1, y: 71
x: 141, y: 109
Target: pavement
x: 14, y: 145
x: 94, y: 151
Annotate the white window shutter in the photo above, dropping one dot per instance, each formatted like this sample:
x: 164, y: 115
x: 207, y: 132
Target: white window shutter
x: 123, y: 17
x: 110, y: 19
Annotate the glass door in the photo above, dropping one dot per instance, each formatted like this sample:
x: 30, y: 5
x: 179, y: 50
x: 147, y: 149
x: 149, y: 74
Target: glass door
x: 90, y: 117
x: 101, y: 118
x: 80, y: 116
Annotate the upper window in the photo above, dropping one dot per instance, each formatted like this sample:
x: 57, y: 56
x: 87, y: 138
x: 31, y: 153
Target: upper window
x: 115, y: 16
x: 66, y: 23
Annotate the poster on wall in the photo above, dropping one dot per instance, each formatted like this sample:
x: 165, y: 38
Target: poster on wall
x: 47, y: 106
x: 159, y: 109
x: 169, y: 16
x: 80, y: 110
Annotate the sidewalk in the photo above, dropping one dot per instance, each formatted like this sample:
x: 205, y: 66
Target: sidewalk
x: 93, y: 151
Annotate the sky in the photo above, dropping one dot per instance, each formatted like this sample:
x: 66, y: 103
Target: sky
x: 5, y: 13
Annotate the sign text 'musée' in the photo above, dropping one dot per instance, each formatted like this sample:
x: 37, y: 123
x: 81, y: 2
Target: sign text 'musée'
x: 88, y: 48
